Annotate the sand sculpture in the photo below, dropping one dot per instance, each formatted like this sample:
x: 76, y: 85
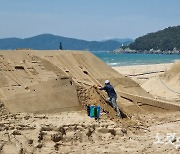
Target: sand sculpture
x: 50, y: 81
x: 53, y: 81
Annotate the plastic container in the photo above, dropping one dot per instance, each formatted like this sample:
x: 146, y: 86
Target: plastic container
x: 91, y: 112
x: 97, y: 110
x: 94, y: 111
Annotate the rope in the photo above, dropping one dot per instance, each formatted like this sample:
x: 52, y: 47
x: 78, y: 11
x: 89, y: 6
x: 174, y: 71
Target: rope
x: 168, y: 87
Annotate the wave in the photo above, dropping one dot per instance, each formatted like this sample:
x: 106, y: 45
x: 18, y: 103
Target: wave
x: 113, y: 64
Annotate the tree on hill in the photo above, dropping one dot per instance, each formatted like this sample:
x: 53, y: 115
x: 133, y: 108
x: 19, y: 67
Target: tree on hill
x: 167, y: 39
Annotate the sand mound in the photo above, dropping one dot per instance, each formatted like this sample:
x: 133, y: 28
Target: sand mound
x: 166, y: 85
x: 49, y: 81
x: 173, y: 73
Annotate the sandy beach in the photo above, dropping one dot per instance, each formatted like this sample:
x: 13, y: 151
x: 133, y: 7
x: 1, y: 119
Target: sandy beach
x: 144, y: 71
x: 44, y: 100
x: 150, y: 77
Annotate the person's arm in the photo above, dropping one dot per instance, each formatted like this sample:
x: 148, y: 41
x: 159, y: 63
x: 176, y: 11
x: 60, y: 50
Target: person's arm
x: 100, y: 87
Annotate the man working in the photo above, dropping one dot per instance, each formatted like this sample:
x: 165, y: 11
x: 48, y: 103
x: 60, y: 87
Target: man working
x: 112, y: 96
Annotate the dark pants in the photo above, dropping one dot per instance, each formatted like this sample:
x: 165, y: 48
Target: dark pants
x: 112, y: 102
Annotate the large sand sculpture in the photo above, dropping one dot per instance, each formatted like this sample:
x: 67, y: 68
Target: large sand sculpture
x: 48, y: 81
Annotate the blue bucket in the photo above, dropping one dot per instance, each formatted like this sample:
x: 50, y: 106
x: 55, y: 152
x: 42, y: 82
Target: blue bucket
x: 91, y: 111
x: 94, y: 111
x: 97, y: 112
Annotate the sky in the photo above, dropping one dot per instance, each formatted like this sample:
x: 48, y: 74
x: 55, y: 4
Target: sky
x: 87, y: 19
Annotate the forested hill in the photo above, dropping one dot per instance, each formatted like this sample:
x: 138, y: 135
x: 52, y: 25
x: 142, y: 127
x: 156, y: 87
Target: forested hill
x: 163, y: 40
x: 52, y: 42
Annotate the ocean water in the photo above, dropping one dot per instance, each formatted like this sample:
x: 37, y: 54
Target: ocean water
x: 125, y: 59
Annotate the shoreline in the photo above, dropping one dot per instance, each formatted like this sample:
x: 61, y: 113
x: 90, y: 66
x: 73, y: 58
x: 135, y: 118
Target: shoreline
x: 148, y: 64
x: 114, y: 65
x: 143, y: 69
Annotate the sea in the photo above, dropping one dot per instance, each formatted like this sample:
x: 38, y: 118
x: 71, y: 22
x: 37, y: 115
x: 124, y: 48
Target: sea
x: 129, y: 59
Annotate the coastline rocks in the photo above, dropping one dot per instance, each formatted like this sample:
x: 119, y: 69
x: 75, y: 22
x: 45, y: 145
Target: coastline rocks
x: 151, y: 51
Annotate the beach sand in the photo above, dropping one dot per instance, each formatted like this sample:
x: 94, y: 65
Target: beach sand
x: 157, y: 79
x: 25, y: 128
x: 141, y: 73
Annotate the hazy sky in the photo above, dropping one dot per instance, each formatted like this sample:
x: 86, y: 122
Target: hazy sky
x: 87, y: 19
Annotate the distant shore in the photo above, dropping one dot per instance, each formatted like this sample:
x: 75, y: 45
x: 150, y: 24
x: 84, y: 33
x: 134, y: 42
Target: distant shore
x: 128, y: 50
